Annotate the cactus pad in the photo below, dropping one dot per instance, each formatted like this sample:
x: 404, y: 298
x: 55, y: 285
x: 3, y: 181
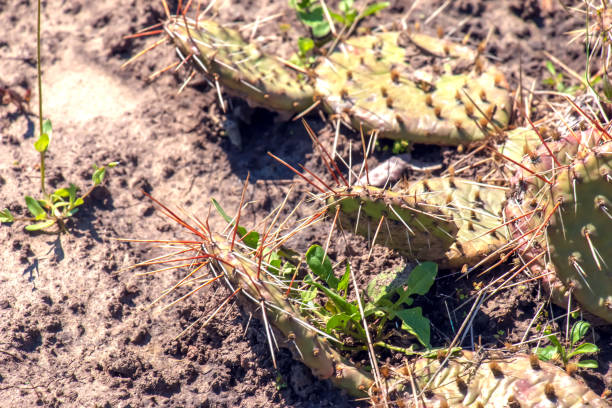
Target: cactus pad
x: 579, y: 243
x: 517, y: 381
x: 446, y: 220
x: 567, y: 216
x: 371, y: 80
x: 240, y: 66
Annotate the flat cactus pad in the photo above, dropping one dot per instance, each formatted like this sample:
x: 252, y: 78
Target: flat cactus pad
x: 240, y: 66
x: 579, y: 244
x: 455, y: 98
x: 516, y: 381
x: 450, y: 220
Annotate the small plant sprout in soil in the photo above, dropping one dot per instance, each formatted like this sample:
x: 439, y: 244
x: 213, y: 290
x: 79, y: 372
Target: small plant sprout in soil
x: 57, y: 207
x: 570, y: 354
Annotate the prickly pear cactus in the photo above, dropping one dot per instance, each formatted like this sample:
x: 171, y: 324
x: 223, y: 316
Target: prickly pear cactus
x: 561, y: 200
x: 305, y: 344
x: 518, y: 381
x: 455, y: 97
x: 244, y: 70
x: 451, y: 221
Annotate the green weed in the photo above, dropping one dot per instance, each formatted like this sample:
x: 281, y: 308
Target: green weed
x: 312, y: 14
x: 574, y: 350
x: 557, y: 81
x: 52, y: 209
x: 389, y: 297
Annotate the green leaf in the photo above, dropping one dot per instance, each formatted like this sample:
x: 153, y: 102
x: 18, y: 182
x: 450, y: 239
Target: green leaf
x: 309, y: 294
x: 337, y: 17
x: 98, y: 175
x: 40, y: 226
x: 346, y: 5
x: 6, y: 216
x: 583, y: 349
x: 414, y: 322
x: 42, y: 143
x: 62, y: 192
x: 341, y: 303
x: 551, y: 68
x: 421, y: 278
x: 375, y: 8
x: 344, y: 281
x: 77, y: 202
x: 112, y: 164
x: 579, y: 330
x: 339, y: 320
x: 35, y: 209
x: 555, y: 341
x: 587, y: 364
x: 305, y: 44
x: 546, y: 353
x: 251, y: 239
x: 321, y: 266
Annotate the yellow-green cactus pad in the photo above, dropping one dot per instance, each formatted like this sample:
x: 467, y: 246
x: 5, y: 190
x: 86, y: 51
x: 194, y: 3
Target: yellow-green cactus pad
x: 455, y: 99
x: 450, y: 221
x: 240, y: 66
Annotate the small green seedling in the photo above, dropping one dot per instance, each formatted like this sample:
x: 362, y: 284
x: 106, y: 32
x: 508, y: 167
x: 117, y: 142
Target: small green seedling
x: 389, y: 297
x: 575, y: 349
x: 312, y: 14
x: 557, y: 81
x: 52, y: 209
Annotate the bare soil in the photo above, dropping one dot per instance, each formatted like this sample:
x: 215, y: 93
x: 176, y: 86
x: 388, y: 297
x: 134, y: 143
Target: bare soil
x: 75, y: 326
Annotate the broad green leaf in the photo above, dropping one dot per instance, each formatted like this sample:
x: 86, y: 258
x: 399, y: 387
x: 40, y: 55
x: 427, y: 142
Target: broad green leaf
x: 384, y: 285
x: 72, y: 190
x: 6, y: 216
x: 337, y: 17
x: 78, y: 201
x: 421, y: 278
x: 547, y: 353
x: 42, y: 143
x: 414, y: 322
x: 579, y: 330
x: 321, y: 266
x: 35, y: 209
x: 583, y: 349
x: 375, y: 8
x: 251, y: 239
x: 588, y: 364
x: 73, y: 211
x: 40, y: 226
